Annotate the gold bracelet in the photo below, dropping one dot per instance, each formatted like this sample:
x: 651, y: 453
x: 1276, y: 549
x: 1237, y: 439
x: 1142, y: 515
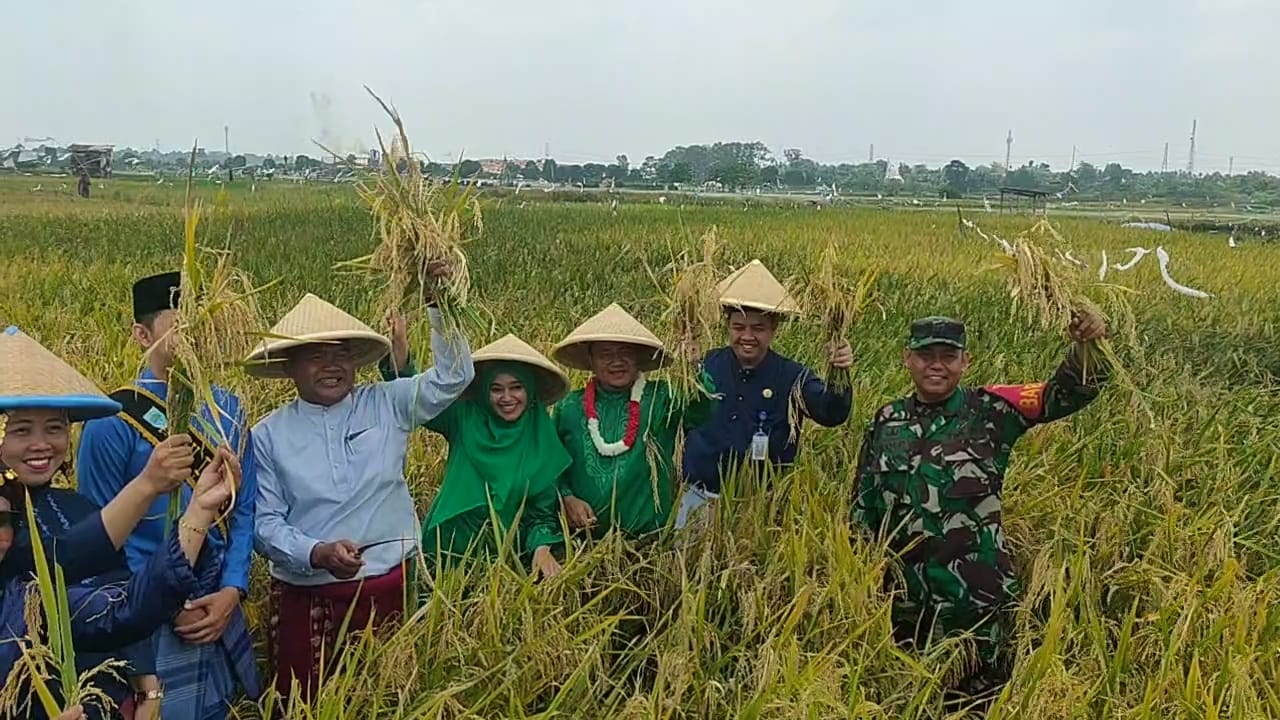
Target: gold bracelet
x: 192, y: 528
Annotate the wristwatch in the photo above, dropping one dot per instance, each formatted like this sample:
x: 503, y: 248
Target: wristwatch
x: 144, y: 695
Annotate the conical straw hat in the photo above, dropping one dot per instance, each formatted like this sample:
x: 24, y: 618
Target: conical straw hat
x: 33, y: 377
x: 613, y: 324
x: 553, y: 384
x: 313, y: 320
x: 753, y: 287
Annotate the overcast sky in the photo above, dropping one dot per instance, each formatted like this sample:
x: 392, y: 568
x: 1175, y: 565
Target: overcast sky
x: 924, y: 80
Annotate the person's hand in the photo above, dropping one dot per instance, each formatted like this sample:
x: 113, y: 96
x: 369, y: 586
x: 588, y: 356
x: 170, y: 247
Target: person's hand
x: 544, y: 563
x: 841, y: 355
x: 75, y: 712
x: 146, y: 710
x: 398, y: 328
x: 217, y: 609
x: 433, y: 275
x: 217, y: 481
x: 170, y: 464
x: 690, y: 351
x: 1086, y: 325
x: 578, y: 512
x: 341, y: 558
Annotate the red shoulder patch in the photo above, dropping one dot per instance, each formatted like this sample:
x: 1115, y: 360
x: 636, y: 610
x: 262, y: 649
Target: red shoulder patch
x: 1028, y: 398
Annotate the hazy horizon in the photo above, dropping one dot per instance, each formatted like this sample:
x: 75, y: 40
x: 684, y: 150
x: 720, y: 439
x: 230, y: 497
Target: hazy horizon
x: 923, y: 81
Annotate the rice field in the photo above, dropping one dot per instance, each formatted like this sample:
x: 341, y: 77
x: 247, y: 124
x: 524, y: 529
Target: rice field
x: 1145, y: 528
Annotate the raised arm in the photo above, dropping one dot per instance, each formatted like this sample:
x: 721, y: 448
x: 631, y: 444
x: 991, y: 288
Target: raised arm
x: 235, y: 570
x: 416, y: 400
x: 823, y: 405
x: 282, y: 543
x: 700, y: 406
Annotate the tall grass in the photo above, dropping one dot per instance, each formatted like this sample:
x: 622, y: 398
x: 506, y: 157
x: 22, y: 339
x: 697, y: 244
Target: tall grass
x: 1145, y: 534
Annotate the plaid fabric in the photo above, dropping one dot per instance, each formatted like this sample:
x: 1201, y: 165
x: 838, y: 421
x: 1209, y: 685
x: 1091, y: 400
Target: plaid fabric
x: 201, y: 681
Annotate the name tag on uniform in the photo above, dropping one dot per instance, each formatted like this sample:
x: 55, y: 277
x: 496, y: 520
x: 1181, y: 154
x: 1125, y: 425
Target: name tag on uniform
x: 156, y: 418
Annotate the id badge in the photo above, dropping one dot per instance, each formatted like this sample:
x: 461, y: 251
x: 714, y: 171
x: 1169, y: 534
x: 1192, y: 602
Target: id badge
x: 759, y: 446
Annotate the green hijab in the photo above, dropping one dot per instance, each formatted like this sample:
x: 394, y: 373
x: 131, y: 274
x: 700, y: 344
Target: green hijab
x: 513, y: 460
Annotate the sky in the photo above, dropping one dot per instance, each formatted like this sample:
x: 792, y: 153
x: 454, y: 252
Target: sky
x: 922, y: 80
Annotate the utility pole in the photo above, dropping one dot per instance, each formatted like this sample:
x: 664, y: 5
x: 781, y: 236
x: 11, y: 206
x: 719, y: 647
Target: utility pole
x: 1073, y: 159
x: 1231, y: 165
x: 226, y: 139
x: 1008, y: 153
x: 1164, y: 164
x: 1191, y: 155
x: 871, y: 153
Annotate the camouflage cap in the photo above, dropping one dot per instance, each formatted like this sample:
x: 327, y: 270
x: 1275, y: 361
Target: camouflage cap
x: 936, y: 330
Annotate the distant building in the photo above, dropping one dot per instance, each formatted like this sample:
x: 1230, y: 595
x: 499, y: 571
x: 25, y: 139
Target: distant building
x: 92, y: 159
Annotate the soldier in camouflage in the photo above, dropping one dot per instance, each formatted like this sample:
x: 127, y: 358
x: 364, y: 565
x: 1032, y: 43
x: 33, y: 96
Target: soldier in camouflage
x: 930, y: 477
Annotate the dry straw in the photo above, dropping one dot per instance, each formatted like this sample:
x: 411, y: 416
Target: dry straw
x: 418, y: 223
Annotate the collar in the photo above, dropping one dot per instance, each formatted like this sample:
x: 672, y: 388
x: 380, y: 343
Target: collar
x: 310, y: 408
x: 148, y: 381
x: 950, y: 406
x: 766, y: 364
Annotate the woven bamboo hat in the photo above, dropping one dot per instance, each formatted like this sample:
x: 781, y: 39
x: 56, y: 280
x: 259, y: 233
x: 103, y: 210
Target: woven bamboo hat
x: 313, y: 320
x: 753, y: 287
x: 33, y: 377
x: 553, y: 384
x: 613, y: 324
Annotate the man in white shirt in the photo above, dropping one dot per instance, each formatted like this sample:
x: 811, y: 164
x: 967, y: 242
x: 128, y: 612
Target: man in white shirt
x: 334, y: 515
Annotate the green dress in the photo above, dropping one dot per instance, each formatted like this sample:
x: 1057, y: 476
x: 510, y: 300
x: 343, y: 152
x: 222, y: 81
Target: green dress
x: 633, y: 491
x: 495, y: 470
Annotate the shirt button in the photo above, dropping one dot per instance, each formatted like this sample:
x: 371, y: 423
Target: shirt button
x: 733, y: 417
x: 740, y: 398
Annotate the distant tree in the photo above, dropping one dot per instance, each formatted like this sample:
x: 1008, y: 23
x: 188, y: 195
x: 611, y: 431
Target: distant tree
x: 623, y: 162
x: 549, y: 170
x: 530, y: 171
x: 649, y: 169
x: 792, y: 155
x: 302, y: 163
x: 955, y: 179
x: 469, y: 169
x: 269, y: 164
x: 676, y: 173
x: 237, y: 161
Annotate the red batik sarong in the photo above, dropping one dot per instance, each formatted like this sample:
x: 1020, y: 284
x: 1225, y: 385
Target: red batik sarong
x: 305, y: 621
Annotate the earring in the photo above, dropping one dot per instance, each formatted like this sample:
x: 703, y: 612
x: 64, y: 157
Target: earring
x: 61, y: 479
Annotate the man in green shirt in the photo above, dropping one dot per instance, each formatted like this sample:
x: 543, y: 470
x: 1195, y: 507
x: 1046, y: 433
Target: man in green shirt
x: 621, y: 429
x: 930, y: 479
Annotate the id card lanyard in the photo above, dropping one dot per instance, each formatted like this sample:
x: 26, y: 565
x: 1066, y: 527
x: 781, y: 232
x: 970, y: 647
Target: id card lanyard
x: 760, y: 441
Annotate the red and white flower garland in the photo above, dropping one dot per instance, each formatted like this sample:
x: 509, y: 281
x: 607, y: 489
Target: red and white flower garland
x: 613, y: 449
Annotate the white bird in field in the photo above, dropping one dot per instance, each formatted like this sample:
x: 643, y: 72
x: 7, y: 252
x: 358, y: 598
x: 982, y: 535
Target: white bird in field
x: 1138, y: 253
x: 1163, y: 257
x: 36, y: 188
x: 986, y: 203
x: 1231, y: 241
x: 1102, y: 269
x: 160, y: 181
x: 62, y: 187
x: 518, y: 186
x: 662, y: 199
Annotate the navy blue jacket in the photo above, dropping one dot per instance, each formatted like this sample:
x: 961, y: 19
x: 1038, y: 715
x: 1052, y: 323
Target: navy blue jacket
x: 711, y: 451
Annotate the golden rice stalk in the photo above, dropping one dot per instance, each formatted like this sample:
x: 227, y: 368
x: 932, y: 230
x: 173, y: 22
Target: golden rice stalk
x: 1050, y: 291
x: 417, y: 223
x: 838, y: 303
x: 47, y: 650
x: 217, y: 323
x: 693, y: 318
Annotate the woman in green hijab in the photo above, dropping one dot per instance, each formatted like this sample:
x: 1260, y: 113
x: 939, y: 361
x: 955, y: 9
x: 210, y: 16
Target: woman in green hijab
x: 504, y: 461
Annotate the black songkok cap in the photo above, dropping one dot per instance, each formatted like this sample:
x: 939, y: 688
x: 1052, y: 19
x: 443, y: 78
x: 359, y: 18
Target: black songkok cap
x: 155, y: 293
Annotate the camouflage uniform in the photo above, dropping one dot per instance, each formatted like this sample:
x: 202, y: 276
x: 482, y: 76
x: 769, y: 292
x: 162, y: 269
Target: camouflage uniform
x: 931, y: 478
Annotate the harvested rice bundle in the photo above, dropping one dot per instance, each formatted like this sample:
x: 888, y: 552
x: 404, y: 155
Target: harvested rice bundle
x: 1051, y: 293
x: 693, y: 316
x: 418, y: 224
x: 217, y: 322
x: 831, y: 296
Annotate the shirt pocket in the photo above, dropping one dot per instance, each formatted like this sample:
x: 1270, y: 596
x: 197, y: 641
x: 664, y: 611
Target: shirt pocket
x: 972, y: 473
